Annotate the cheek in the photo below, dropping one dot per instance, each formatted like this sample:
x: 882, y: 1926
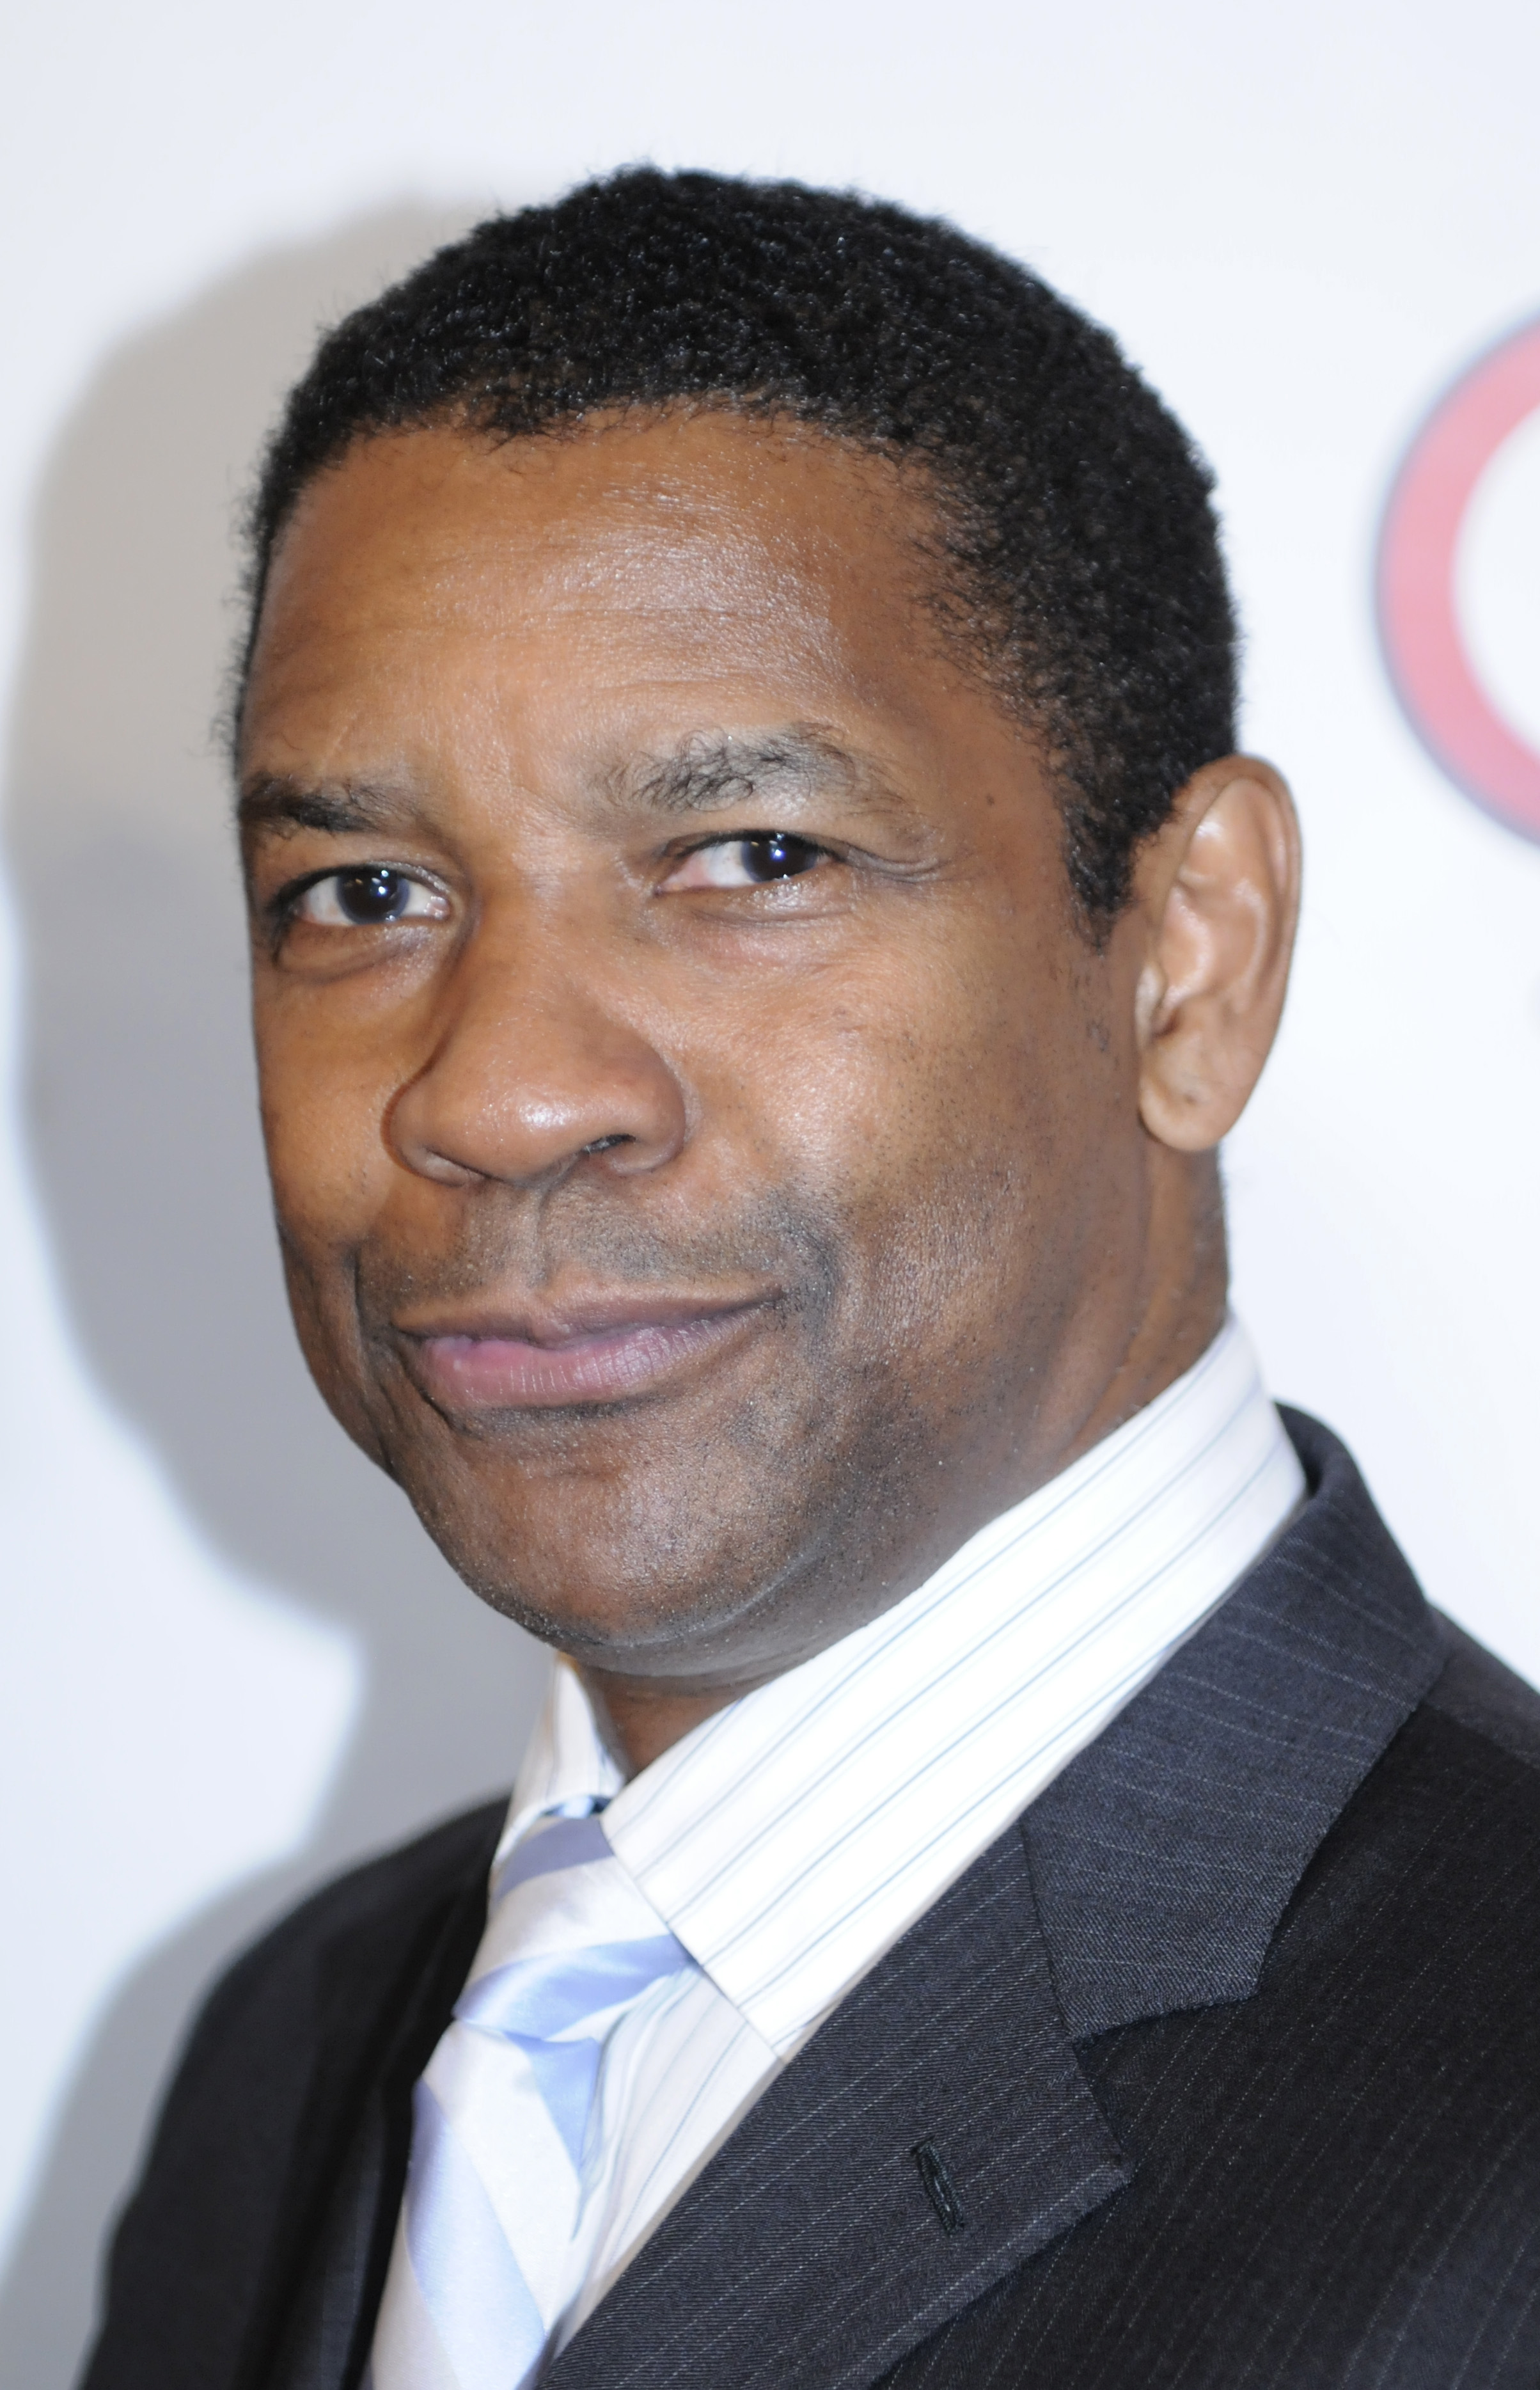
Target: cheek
x: 913, y: 1103
x: 322, y: 1120
x: 328, y: 1169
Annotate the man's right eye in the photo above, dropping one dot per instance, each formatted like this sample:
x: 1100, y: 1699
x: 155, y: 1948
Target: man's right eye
x: 366, y: 897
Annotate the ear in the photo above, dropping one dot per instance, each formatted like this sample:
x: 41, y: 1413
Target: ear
x: 1219, y: 890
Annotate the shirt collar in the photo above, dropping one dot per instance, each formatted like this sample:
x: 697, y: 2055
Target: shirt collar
x: 790, y: 1839
x: 566, y: 1767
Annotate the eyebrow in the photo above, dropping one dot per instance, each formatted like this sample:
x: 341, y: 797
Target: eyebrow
x: 714, y: 770
x: 710, y: 772
x: 274, y: 801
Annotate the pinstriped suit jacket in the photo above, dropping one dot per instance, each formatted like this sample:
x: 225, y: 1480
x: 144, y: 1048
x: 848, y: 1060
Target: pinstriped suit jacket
x: 1229, y: 2056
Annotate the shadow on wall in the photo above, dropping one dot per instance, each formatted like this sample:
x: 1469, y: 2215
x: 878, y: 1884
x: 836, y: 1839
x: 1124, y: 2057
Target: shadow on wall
x: 146, y: 1153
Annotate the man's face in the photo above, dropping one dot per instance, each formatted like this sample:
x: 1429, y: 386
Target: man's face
x: 706, y: 1151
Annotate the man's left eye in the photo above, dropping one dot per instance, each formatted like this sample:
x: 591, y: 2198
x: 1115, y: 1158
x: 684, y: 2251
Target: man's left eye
x: 365, y: 898
x: 750, y: 862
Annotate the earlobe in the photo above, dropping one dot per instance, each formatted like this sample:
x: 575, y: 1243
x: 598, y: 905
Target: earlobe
x: 1219, y: 890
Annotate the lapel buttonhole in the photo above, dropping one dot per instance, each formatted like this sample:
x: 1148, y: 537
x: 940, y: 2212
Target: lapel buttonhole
x: 938, y: 2186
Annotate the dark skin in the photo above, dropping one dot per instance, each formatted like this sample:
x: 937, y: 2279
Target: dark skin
x: 716, y: 1171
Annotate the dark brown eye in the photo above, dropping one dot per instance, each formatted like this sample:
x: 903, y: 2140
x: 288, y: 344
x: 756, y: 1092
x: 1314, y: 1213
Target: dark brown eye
x: 376, y: 894
x: 752, y: 859
x: 369, y: 896
x: 777, y: 855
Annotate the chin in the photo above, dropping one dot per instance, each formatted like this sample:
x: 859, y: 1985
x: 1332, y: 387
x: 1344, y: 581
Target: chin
x: 591, y: 1584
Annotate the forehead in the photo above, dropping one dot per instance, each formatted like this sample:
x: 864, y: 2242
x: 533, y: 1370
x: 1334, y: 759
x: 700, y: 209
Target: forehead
x: 704, y: 549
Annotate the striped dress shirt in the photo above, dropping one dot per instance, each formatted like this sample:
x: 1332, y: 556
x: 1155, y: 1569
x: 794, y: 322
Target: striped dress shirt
x: 790, y: 1840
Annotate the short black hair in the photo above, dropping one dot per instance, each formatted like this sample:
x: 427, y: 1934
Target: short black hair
x: 1079, y: 550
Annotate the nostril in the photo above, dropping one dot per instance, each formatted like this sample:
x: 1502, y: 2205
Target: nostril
x: 603, y: 1144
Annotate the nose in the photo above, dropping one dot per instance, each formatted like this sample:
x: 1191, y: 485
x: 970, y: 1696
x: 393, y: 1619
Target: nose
x: 533, y: 1072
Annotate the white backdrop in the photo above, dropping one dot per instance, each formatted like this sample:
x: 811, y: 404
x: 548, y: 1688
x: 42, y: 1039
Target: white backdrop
x: 232, y: 1661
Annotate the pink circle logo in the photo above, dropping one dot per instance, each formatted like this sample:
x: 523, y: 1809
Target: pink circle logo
x: 1425, y: 648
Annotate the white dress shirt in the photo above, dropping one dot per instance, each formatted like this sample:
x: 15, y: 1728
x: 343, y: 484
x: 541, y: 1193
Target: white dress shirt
x: 790, y: 1840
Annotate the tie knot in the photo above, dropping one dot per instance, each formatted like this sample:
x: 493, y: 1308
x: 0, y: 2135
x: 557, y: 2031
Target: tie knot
x: 571, y: 1939
x: 568, y: 1838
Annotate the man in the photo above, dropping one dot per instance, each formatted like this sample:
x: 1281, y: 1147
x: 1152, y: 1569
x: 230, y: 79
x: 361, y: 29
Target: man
x: 758, y: 933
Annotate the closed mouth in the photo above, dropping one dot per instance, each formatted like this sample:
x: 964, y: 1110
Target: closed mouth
x: 596, y: 1353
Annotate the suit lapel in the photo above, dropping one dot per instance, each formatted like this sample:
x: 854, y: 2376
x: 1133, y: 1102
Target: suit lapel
x: 817, y: 2248
x: 1165, y: 1855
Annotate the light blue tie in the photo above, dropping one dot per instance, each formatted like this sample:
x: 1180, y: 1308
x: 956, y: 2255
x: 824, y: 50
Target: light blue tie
x: 500, y: 2211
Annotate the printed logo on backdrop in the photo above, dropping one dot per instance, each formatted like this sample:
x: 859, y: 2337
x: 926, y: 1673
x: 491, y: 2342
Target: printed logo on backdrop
x: 1459, y: 583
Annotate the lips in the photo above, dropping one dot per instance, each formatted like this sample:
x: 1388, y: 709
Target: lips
x: 596, y: 1352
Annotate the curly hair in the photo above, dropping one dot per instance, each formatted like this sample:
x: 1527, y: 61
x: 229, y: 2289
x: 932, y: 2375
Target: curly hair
x: 1077, y: 551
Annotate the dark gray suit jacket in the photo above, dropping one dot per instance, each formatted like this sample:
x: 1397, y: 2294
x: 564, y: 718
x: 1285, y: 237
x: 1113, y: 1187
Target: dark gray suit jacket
x: 1226, y: 2064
